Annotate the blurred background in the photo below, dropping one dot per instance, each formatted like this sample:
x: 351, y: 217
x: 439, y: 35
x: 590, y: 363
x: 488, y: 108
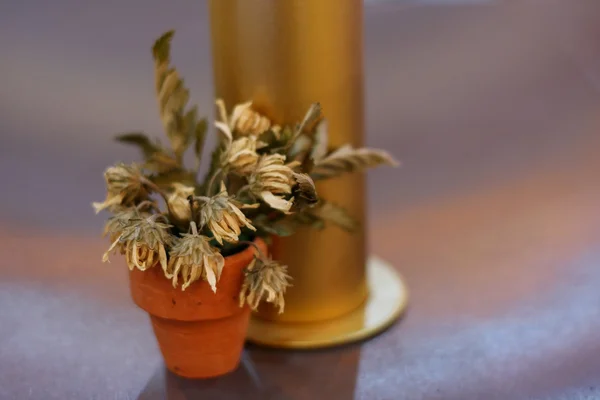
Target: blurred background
x: 493, y: 107
x: 463, y: 91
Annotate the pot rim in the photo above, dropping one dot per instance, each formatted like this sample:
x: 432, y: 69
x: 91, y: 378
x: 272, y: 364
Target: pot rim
x: 155, y: 294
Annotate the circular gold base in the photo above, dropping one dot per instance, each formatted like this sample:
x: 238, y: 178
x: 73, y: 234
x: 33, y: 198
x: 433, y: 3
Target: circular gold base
x: 388, y: 297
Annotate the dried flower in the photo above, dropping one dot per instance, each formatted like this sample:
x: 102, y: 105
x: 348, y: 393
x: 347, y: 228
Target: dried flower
x: 116, y: 224
x: 272, y: 180
x: 144, y: 241
x: 246, y: 121
x: 223, y: 217
x: 271, y: 174
x: 125, y: 187
x: 264, y: 279
x: 193, y: 258
x: 178, y: 203
x: 241, y: 156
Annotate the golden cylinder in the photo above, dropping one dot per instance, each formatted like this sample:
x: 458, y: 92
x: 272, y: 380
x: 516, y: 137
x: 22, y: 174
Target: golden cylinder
x: 284, y: 55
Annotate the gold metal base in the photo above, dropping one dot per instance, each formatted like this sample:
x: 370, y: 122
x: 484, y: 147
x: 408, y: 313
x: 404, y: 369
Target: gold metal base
x: 388, y: 297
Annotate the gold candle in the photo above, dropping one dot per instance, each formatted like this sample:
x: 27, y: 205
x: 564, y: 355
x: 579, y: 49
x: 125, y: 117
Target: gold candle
x: 284, y: 55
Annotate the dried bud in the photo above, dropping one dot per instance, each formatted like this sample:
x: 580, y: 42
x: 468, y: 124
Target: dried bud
x: 144, y: 241
x: 264, y: 280
x: 304, y: 191
x: 272, y: 180
x: 179, y: 205
x: 245, y: 121
x: 193, y: 258
x: 124, y: 186
x: 223, y: 217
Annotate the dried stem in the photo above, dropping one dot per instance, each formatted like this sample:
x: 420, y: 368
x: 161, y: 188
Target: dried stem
x: 154, y: 187
x: 147, y: 203
x: 192, y: 211
x: 261, y: 255
x: 163, y: 216
x: 242, y: 190
x: 194, y: 228
x: 202, y: 198
x: 212, y: 181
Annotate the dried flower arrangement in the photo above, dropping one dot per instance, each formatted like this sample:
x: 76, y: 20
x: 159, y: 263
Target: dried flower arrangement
x: 260, y: 182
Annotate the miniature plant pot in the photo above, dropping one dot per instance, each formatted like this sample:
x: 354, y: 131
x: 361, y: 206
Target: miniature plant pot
x: 201, y: 334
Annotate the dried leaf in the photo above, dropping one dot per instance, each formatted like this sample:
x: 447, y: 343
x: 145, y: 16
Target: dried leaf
x: 301, y: 148
x: 182, y: 130
x: 190, y: 120
x: 161, y: 162
x: 161, y: 53
x: 308, y: 148
x: 282, y: 227
x: 312, y: 116
x: 306, y: 218
x: 225, y: 131
x: 336, y: 214
x: 172, y: 98
x: 347, y: 159
x: 140, y: 140
x: 320, y: 142
x: 164, y: 180
x: 162, y: 46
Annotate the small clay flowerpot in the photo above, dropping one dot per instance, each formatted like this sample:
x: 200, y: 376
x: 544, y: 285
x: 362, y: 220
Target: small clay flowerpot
x: 201, y: 334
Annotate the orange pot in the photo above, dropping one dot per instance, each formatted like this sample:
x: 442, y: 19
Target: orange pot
x: 201, y: 334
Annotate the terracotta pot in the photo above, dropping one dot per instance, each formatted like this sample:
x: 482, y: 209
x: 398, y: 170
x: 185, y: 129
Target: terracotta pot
x: 201, y: 334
